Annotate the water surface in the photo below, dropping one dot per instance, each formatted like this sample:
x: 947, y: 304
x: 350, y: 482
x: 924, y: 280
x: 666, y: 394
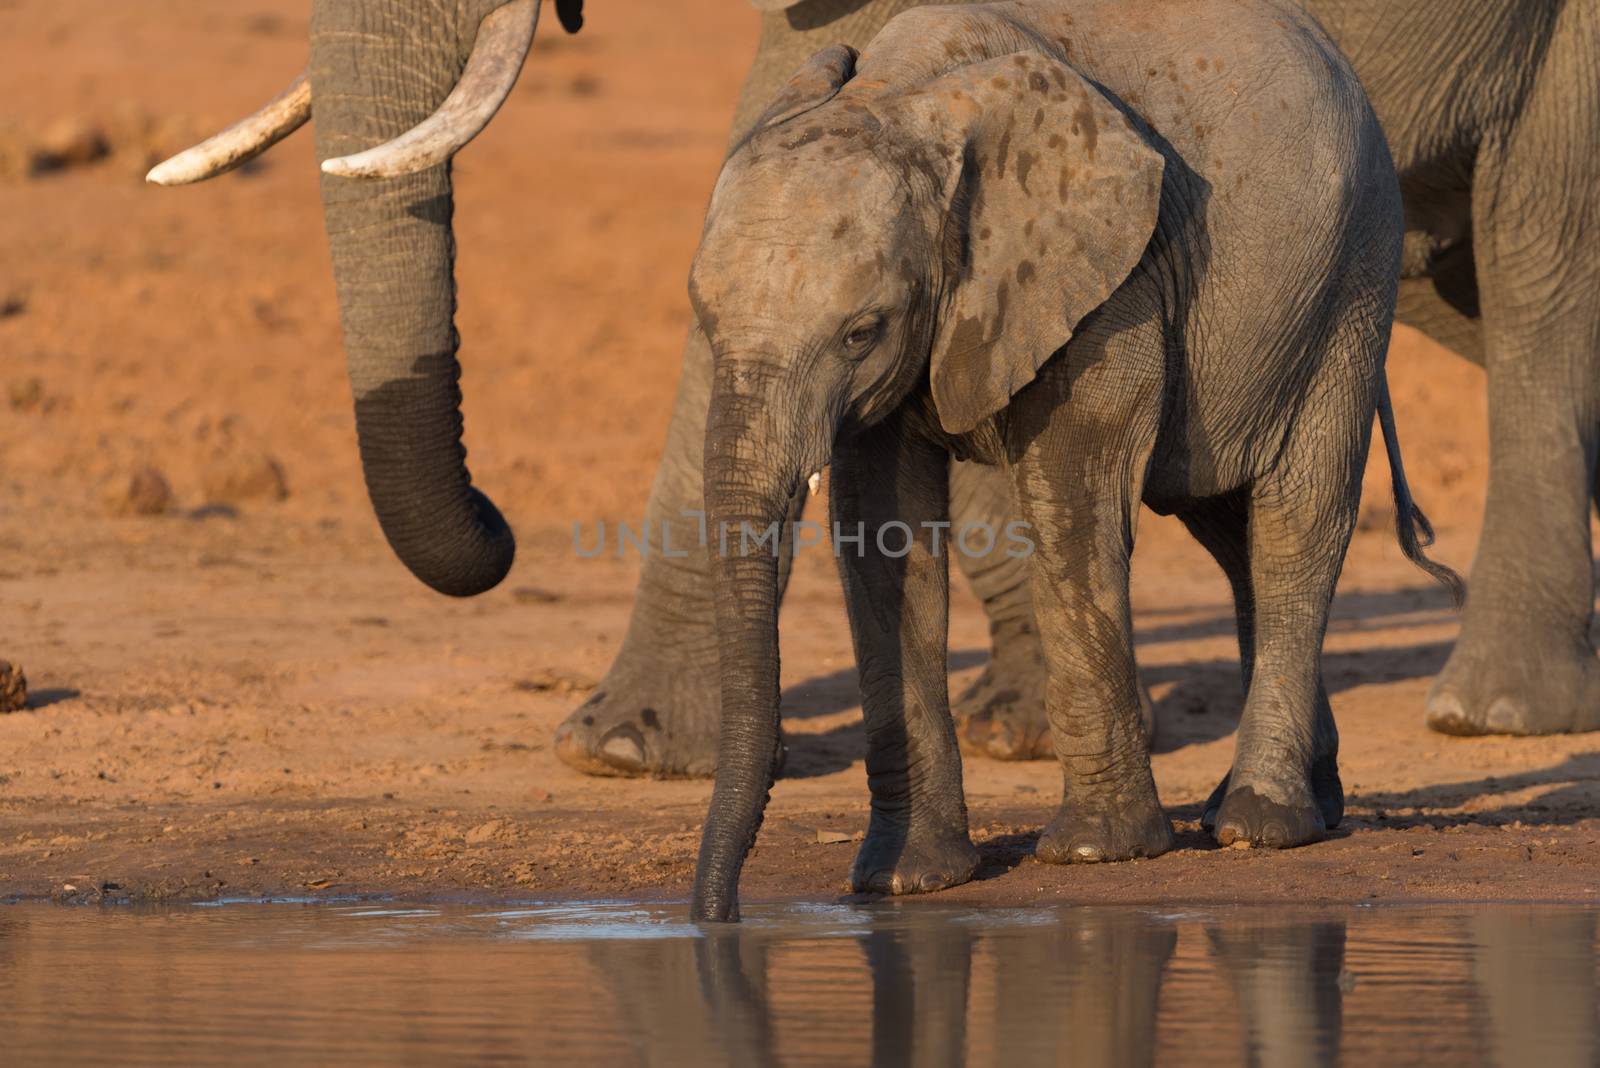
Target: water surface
x: 887, y: 984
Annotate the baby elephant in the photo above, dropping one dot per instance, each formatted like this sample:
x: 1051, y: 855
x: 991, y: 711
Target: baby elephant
x: 1128, y: 251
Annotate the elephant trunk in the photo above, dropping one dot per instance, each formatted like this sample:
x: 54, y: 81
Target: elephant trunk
x: 748, y: 491
x: 373, y: 77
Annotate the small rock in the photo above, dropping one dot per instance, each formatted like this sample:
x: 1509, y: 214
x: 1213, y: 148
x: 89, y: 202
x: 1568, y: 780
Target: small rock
x: 839, y: 837
x: 534, y: 595
x: 13, y: 688
x: 1347, y: 980
x: 235, y: 478
x: 69, y: 142
x: 549, y: 681
x: 25, y: 394
x: 143, y: 492
x: 485, y: 832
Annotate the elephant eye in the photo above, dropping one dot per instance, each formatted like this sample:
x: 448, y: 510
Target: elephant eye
x: 862, y: 337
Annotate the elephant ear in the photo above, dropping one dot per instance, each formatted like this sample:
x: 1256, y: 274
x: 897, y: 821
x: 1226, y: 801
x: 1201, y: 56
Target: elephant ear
x: 1052, y: 197
x: 817, y: 81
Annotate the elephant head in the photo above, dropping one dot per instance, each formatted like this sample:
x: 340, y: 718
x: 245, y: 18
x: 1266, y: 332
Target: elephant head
x: 879, y: 240
x: 398, y: 87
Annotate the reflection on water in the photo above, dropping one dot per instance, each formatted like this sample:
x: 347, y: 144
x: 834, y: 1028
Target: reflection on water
x: 913, y: 984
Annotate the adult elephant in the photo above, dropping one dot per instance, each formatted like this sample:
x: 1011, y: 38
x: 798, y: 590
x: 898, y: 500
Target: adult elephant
x: 1493, y: 115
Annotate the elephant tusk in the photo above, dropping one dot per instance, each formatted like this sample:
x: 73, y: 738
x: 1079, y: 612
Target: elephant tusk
x: 241, y: 142
x: 815, y: 482
x: 504, y: 38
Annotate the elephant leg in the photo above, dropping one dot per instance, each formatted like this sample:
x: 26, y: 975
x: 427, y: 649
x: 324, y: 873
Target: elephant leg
x: 1222, y: 526
x: 1283, y: 789
x: 1001, y: 715
x: 1525, y: 662
x: 895, y: 487
x: 1080, y: 504
x: 658, y: 710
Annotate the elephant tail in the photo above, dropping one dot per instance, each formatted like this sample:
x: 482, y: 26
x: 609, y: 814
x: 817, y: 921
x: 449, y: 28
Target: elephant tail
x: 1413, y: 528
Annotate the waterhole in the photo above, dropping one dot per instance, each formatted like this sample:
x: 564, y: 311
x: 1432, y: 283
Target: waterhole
x: 886, y: 984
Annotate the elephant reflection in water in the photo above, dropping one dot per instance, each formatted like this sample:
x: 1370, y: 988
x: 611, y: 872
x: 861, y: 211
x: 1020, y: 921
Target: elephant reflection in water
x: 1286, y: 977
x: 1080, y: 988
x: 1535, y: 973
x: 1083, y: 986
x: 1534, y: 995
x: 699, y: 1001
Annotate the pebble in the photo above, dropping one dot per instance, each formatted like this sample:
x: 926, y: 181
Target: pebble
x: 144, y: 491
x: 238, y: 477
x: 69, y: 142
x: 13, y: 688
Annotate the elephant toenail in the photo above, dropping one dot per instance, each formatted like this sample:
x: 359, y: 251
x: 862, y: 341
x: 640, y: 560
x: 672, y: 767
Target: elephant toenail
x: 623, y: 748
x: 1446, y: 715
x: 1084, y: 853
x: 1505, y: 715
x: 1275, y: 835
x: 931, y: 881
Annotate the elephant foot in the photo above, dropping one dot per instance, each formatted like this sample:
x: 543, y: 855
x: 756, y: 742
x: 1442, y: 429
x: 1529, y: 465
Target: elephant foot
x: 897, y: 863
x: 1126, y: 831
x: 1001, y: 715
x: 1277, y: 815
x: 658, y: 722
x: 1553, y: 688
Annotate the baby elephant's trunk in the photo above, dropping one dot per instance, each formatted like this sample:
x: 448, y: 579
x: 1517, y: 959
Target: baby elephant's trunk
x: 747, y: 499
x: 1415, y: 532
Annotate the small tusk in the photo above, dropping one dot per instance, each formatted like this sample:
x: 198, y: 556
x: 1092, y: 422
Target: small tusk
x: 241, y: 142
x: 815, y: 482
x: 504, y: 38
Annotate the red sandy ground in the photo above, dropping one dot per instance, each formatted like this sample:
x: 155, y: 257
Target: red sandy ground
x: 256, y: 698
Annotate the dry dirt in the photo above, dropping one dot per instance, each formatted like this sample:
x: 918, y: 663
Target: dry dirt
x: 236, y: 690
